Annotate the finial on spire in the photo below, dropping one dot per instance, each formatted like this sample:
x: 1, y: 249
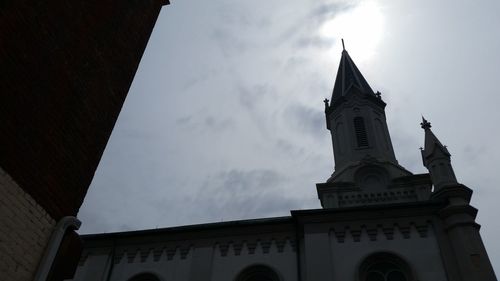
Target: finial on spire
x: 343, y: 46
x: 425, y: 124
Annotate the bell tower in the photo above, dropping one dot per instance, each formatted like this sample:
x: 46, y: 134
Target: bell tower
x: 365, y: 164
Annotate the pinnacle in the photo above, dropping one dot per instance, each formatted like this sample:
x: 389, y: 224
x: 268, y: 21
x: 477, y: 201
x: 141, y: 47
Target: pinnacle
x: 425, y: 124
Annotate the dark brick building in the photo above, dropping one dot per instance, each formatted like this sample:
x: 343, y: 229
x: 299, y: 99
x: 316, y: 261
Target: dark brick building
x: 66, y: 68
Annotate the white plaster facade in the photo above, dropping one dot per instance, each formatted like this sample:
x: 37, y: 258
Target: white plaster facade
x: 332, y: 247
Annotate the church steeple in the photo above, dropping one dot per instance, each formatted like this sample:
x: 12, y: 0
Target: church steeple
x: 436, y: 158
x: 365, y: 163
x: 356, y: 120
x: 349, y: 76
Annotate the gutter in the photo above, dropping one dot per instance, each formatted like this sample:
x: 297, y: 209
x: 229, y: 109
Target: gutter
x: 68, y: 222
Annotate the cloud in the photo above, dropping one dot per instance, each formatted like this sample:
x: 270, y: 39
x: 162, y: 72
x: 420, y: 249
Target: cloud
x: 184, y: 120
x: 250, y: 97
x: 237, y: 194
x: 214, y: 124
x: 295, y: 62
x: 199, y: 77
x: 258, y: 74
x: 205, y: 123
x: 229, y: 43
x: 236, y: 16
x: 305, y: 32
x: 314, y: 41
x: 237, y: 29
x: 324, y: 11
x: 308, y: 120
x: 259, y: 101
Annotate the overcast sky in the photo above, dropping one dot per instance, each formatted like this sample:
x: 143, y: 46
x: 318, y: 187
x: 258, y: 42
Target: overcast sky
x: 224, y: 119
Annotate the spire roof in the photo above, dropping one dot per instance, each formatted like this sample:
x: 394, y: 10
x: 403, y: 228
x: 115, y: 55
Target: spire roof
x: 348, y: 76
x: 431, y: 141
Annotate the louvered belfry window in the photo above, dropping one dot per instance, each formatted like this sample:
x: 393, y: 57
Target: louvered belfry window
x: 360, y: 130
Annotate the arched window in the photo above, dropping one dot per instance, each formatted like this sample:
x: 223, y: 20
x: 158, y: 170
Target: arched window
x: 258, y: 273
x: 360, y: 130
x: 145, y: 277
x: 385, y: 267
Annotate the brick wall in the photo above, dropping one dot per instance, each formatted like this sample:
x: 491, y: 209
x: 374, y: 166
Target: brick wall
x: 66, y: 69
x: 25, y: 229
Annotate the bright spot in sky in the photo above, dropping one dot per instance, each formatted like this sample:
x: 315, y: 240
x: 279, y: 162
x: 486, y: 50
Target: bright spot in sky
x: 361, y: 27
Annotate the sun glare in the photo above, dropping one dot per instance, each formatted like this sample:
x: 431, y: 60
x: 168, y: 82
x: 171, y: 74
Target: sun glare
x: 361, y: 27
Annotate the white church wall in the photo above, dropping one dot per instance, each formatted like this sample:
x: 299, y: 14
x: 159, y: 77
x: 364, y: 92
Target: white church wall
x: 281, y: 259
x: 177, y: 268
x: 171, y: 264
x: 414, y: 243
x: 316, y: 254
x: 93, y: 267
x: 211, y: 260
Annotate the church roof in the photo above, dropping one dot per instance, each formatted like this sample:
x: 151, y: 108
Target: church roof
x: 348, y: 76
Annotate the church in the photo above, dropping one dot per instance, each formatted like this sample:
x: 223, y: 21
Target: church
x: 378, y: 221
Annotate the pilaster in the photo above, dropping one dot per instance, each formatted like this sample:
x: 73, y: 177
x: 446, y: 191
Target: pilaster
x: 468, y: 248
x: 201, y: 266
x: 318, y: 259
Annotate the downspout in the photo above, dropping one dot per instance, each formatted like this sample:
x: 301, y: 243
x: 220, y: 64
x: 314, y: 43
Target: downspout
x: 53, y: 246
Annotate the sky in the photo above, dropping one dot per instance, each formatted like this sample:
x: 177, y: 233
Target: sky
x: 224, y: 119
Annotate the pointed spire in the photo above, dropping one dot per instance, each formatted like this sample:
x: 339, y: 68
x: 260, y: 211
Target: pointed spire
x: 431, y: 141
x: 348, y: 76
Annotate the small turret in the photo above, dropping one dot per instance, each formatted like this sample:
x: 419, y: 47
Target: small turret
x: 436, y: 159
